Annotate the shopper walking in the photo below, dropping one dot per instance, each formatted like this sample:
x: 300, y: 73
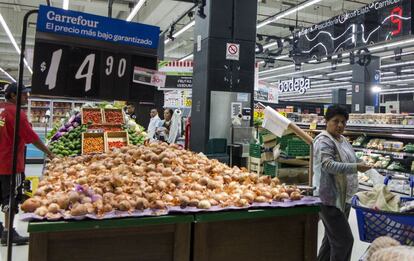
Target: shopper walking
x: 169, y: 129
x: 153, y: 124
x: 335, y: 177
x: 130, y: 111
x: 26, y: 136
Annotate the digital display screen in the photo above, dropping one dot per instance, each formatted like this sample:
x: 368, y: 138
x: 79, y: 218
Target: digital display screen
x: 377, y: 22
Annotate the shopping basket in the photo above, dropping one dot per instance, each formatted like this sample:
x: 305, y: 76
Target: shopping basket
x: 376, y: 223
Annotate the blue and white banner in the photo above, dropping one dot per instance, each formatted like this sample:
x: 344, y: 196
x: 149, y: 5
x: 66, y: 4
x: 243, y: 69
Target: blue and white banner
x: 83, y: 25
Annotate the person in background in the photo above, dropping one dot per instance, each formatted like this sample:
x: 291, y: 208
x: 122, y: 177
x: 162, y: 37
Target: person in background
x: 169, y: 129
x: 26, y: 136
x: 163, y: 128
x: 153, y: 124
x: 335, y: 169
x: 130, y: 110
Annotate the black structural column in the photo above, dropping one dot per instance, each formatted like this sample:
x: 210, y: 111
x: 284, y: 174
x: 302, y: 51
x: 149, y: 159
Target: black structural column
x: 363, y: 80
x: 339, y: 96
x: 227, y: 21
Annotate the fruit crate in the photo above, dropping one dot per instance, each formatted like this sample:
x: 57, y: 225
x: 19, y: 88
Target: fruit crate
x: 297, y: 148
x: 100, y: 118
x: 283, y: 141
x: 87, y: 135
x: 255, y: 150
x: 113, y: 110
x: 255, y: 165
x: 266, y: 136
x: 270, y: 168
x: 116, y: 136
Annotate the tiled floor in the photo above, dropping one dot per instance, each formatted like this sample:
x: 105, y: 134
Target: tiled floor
x: 20, y: 253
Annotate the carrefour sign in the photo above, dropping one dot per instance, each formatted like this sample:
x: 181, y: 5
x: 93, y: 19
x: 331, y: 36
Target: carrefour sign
x: 299, y: 85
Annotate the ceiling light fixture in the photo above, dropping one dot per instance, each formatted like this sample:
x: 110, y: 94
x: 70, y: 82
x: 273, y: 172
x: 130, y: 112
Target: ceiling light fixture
x: 185, y: 58
x: 13, y: 41
x: 7, y: 74
x: 181, y: 31
x: 287, y: 12
x: 305, y: 71
x: 66, y: 4
x: 135, y: 10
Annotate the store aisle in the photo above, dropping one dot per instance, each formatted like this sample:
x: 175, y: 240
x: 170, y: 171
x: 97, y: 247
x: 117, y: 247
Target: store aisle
x: 21, y: 252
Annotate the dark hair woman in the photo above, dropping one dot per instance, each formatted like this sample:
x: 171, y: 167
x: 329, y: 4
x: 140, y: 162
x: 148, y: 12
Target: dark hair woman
x: 335, y: 170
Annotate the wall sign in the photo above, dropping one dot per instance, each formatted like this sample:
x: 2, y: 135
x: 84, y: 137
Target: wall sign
x: 374, y: 23
x: 233, y: 51
x: 299, y: 85
x: 88, y: 56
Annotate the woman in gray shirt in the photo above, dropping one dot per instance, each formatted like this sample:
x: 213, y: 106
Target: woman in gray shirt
x: 335, y: 177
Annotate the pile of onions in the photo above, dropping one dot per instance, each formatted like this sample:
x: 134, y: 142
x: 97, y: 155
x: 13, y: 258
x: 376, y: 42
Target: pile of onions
x: 155, y: 176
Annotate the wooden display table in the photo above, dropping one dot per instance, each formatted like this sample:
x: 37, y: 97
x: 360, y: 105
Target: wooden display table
x: 287, y: 234
x: 146, y: 239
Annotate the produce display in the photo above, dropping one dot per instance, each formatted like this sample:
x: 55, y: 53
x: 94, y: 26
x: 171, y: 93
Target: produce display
x: 105, y: 127
x: 93, y: 145
x: 154, y: 177
x: 92, y: 116
x: 409, y: 148
x: 116, y: 144
x: 114, y: 116
x: 374, y: 160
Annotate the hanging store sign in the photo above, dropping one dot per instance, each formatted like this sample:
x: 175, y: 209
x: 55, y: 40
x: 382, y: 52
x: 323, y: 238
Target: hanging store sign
x: 88, y: 56
x: 149, y: 77
x: 266, y: 92
x: 78, y: 24
x: 374, y: 23
x: 179, y: 74
x: 299, y: 85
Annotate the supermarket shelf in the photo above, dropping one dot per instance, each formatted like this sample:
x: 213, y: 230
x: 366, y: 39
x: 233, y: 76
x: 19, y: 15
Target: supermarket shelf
x: 364, y: 125
x: 40, y: 107
x: 392, y: 153
x: 393, y: 172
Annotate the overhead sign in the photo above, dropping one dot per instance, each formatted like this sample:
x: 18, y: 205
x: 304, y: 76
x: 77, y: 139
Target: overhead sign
x: 299, y: 85
x: 179, y: 74
x: 233, y: 51
x: 78, y: 24
x: 376, y: 22
x: 87, y: 56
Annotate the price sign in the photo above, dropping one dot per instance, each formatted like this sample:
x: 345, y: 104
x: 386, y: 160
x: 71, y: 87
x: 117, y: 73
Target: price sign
x: 88, y: 56
x: 313, y: 126
x: 282, y: 113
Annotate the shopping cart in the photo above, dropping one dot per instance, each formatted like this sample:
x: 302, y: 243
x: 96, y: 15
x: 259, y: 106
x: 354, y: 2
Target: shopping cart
x: 376, y: 223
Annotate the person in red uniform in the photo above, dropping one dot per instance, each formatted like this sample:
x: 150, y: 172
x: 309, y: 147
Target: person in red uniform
x: 26, y: 136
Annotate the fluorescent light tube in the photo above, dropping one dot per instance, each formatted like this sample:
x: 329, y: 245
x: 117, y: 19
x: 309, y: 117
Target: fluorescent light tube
x: 188, y: 57
x: 66, y: 4
x: 288, y: 12
x: 181, y: 31
x: 135, y: 10
x: 7, y: 74
x: 13, y: 41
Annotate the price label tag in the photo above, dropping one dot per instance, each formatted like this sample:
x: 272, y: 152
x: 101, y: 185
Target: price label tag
x: 283, y: 113
x: 313, y: 126
x: 397, y: 155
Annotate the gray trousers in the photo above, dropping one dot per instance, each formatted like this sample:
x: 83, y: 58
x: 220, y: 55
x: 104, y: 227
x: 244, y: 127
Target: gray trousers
x: 338, y: 240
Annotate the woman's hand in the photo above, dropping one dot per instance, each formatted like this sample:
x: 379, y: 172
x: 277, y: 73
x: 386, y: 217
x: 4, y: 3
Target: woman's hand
x: 362, y: 167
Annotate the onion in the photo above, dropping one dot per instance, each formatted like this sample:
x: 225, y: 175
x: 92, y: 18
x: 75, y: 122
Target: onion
x: 41, y: 211
x: 30, y: 205
x: 204, y: 204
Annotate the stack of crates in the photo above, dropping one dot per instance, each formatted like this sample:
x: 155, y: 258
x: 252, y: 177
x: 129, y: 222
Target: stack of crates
x: 293, y: 146
x: 255, y: 163
x: 261, y: 152
x: 270, y: 168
